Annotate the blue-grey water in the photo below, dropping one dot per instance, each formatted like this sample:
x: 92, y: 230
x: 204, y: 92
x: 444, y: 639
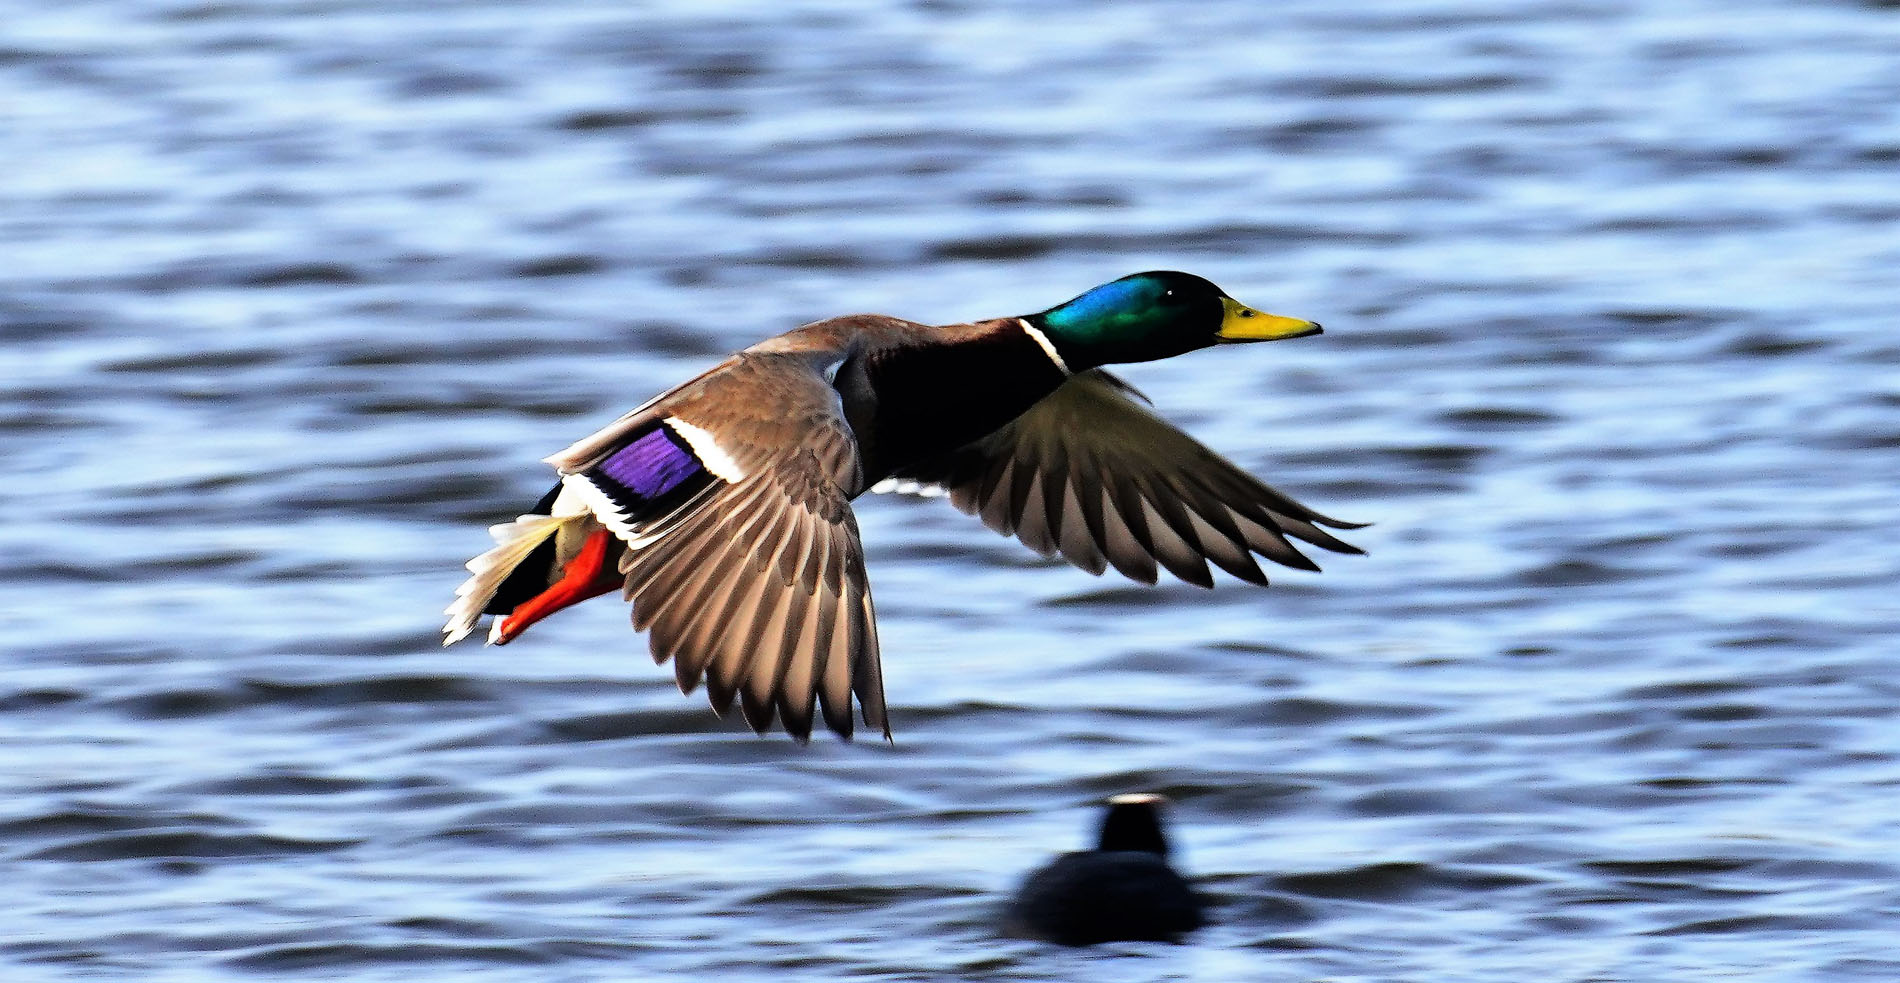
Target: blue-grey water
x: 294, y: 296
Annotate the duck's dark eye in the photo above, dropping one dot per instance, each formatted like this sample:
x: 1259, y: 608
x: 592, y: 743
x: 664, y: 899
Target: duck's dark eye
x: 1246, y: 313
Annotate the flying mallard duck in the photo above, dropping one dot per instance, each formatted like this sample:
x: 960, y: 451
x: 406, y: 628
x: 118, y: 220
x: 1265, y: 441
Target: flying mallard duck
x: 722, y: 508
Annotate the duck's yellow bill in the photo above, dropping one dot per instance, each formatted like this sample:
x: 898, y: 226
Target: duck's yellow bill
x: 1243, y: 323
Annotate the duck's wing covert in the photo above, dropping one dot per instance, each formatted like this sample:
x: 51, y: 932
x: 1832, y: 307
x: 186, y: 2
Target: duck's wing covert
x: 756, y: 585
x: 1091, y: 473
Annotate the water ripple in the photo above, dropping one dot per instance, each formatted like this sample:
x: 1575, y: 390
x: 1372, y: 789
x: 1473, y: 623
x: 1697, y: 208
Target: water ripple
x: 299, y: 295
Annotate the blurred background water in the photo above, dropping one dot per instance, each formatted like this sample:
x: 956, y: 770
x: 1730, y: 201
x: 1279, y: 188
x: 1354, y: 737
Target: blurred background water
x: 294, y: 295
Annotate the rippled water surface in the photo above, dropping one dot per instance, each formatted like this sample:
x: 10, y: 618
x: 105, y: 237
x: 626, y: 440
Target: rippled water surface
x: 296, y: 294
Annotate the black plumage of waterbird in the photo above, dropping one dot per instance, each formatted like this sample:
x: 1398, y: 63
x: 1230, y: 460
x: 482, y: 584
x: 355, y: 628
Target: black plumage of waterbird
x: 1124, y: 890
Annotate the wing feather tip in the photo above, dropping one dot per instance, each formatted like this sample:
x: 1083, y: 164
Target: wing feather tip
x: 1303, y: 562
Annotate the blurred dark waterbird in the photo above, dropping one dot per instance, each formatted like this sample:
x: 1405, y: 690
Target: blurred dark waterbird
x: 721, y: 508
x: 1121, y: 891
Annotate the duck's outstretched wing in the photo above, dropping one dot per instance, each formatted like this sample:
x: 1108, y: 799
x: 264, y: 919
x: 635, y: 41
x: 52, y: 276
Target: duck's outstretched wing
x: 731, y: 497
x: 1092, y: 474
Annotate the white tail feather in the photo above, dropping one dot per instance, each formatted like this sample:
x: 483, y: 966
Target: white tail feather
x: 515, y: 541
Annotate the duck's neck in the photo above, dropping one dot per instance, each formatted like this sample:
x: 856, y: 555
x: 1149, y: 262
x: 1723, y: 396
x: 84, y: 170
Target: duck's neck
x: 1133, y: 823
x: 1044, y: 335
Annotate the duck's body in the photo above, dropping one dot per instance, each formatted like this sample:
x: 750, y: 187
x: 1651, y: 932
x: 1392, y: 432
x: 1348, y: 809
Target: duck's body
x: 1124, y: 890
x: 721, y: 508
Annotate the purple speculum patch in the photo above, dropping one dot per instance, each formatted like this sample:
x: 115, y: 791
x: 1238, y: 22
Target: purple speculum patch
x: 654, y: 464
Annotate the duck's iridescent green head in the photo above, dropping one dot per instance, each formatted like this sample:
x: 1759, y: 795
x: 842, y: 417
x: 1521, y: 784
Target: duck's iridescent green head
x: 1154, y: 315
